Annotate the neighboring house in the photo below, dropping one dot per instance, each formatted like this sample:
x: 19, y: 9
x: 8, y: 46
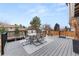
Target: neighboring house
x: 11, y: 29
x: 31, y: 30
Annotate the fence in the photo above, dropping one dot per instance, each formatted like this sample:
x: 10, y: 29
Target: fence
x: 62, y: 33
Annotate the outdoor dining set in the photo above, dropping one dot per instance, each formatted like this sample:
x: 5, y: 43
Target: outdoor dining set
x: 34, y: 38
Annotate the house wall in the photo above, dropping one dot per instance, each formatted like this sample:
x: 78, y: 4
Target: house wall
x: 71, y: 7
x: 11, y: 34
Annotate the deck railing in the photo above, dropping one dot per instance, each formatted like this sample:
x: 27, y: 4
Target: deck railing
x: 64, y: 33
x: 3, y: 42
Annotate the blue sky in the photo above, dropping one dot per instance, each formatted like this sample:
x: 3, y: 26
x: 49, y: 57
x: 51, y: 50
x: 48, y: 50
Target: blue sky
x: 49, y: 13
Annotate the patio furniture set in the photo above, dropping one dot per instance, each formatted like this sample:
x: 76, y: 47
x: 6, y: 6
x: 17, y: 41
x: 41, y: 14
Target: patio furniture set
x: 35, y: 39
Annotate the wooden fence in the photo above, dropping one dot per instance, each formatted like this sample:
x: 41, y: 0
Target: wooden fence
x: 62, y: 33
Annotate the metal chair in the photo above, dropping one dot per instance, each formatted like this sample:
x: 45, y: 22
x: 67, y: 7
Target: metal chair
x: 39, y: 39
x: 27, y: 41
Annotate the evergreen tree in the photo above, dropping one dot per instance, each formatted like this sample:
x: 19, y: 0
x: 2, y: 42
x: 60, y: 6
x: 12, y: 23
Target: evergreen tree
x: 57, y: 27
x: 2, y: 30
x: 35, y: 23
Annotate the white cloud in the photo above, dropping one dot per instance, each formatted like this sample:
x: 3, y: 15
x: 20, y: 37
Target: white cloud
x: 39, y: 11
x: 61, y: 9
x: 61, y: 4
x: 42, y: 11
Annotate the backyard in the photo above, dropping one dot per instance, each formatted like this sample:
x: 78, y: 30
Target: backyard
x: 57, y: 47
x: 39, y: 31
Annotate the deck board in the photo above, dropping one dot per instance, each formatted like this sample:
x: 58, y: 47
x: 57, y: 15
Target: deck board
x: 62, y: 49
x: 44, y: 49
x: 52, y: 48
x: 66, y: 49
x: 69, y: 48
x: 54, y: 51
x: 40, y: 51
x: 58, y: 50
x: 43, y: 52
x: 59, y: 47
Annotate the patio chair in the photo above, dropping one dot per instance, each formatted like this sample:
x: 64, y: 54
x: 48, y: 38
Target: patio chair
x: 27, y: 41
x: 39, y: 39
x: 42, y: 37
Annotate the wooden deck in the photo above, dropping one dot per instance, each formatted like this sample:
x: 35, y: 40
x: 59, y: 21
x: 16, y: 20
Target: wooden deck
x: 59, y: 47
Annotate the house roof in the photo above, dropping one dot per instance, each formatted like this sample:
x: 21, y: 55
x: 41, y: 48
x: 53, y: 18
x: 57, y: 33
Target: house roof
x: 6, y: 25
x: 30, y: 28
x: 11, y: 26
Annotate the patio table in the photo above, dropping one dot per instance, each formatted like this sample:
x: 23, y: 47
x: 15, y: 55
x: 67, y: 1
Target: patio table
x: 34, y: 38
x: 31, y: 37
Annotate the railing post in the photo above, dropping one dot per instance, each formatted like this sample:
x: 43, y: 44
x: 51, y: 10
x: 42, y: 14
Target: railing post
x: 3, y: 42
